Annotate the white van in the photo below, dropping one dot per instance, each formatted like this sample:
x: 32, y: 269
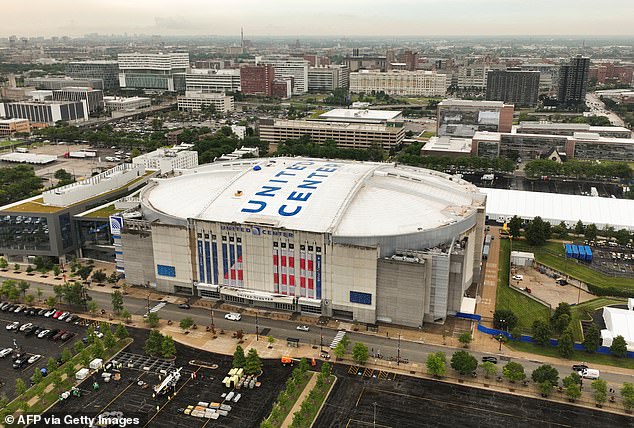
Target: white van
x: 589, y: 374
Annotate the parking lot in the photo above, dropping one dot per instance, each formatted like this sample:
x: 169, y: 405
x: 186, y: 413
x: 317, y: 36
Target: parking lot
x: 616, y: 260
x: 361, y: 401
x: 201, y: 379
x: 30, y: 345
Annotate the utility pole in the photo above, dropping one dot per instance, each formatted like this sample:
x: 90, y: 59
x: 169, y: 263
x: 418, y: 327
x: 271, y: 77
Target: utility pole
x: 374, y: 415
x: 148, y: 303
x: 321, y: 339
x: 398, y: 351
x: 257, y: 336
x: 211, y: 314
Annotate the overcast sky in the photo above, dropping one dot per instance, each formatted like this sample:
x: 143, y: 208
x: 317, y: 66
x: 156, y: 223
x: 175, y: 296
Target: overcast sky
x: 318, y: 17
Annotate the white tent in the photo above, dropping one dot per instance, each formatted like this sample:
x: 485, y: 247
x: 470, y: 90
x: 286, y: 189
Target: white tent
x: 618, y: 322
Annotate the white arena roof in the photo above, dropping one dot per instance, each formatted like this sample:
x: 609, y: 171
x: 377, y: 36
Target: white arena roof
x: 554, y: 207
x: 341, y: 197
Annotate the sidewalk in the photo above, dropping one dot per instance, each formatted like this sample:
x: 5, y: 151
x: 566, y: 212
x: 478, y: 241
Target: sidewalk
x: 309, y: 387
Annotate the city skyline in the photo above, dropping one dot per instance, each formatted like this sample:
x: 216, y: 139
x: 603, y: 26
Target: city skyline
x: 351, y: 18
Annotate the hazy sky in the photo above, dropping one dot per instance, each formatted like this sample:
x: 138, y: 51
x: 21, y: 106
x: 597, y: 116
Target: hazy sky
x: 318, y: 17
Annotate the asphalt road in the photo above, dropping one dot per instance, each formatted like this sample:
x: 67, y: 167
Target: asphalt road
x: 281, y: 329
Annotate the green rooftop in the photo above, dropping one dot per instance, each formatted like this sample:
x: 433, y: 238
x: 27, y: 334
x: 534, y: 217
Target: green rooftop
x: 104, y: 212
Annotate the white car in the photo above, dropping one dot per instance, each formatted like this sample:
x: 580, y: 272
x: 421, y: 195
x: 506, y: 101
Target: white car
x: 5, y: 352
x: 13, y: 326
x: 518, y: 277
x: 62, y: 316
x: 25, y: 326
x: 99, y: 334
x: 34, y: 358
x: 233, y: 316
x: 303, y: 328
x: 19, y: 309
x: 43, y: 333
x: 50, y: 313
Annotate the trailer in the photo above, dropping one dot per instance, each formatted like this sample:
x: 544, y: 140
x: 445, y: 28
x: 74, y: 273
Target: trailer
x: 485, y: 252
x: 575, y: 251
x: 588, y: 253
x: 582, y: 252
x: 568, y: 250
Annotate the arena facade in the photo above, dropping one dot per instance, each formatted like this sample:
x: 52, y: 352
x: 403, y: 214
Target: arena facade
x: 352, y: 240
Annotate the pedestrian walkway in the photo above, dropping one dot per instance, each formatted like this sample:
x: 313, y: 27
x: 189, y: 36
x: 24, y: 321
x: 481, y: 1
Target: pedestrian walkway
x: 309, y: 386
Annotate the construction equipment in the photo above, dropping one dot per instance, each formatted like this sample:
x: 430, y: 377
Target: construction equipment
x: 170, y: 381
x: 288, y: 360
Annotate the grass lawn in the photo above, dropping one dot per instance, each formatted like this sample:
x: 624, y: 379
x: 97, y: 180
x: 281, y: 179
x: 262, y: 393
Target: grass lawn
x: 526, y: 309
x: 552, y: 254
x: 584, y: 311
x: 577, y: 356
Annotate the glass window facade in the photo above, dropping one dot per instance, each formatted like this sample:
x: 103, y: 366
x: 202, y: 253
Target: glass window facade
x: 28, y: 233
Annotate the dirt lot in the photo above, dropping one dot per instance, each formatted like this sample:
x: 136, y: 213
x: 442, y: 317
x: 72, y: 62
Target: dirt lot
x: 544, y: 287
x: 409, y: 402
x: 135, y: 401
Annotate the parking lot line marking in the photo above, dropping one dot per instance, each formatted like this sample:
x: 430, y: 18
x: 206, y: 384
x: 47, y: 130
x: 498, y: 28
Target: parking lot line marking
x: 368, y: 372
x: 169, y: 401
x: 480, y: 409
x: 367, y: 423
x: 360, y: 395
x: 118, y: 395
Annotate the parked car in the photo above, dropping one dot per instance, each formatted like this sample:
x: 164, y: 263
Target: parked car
x: 489, y: 359
x: 13, y: 326
x: 20, y: 362
x: 41, y: 312
x: 579, y: 367
x: 4, y: 305
x: 66, y: 336
x: 19, y: 309
x: 63, y: 316
x: 70, y: 318
x: 34, y: 358
x: 42, y: 334
x: 184, y: 306
x: 589, y: 373
x: 50, y: 313
x: 52, y: 333
x: 303, y: 328
x: 58, y: 335
x: 25, y: 326
x: 5, y: 352
x: 518, y: 277
x: 30, y: 331
x: 57, y: 314
x: 233, y: 316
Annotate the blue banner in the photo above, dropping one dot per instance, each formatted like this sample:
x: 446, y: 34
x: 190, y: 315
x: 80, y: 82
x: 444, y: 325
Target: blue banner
x: 201, y: 265
x: 214, y: 252
x: 208, y: 261
x: 318, y: 276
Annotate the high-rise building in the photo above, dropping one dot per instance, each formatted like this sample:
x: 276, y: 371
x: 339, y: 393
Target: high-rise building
x: 210, y: 80
x: 573, y: 81
x: 548, y: 76
x: 107, y: 71
x: 513, y: 86
x: 158, y: 71
x: 328, y: 78
x: 297, y: 68
x: 257, y: 79
x: 414, y: 83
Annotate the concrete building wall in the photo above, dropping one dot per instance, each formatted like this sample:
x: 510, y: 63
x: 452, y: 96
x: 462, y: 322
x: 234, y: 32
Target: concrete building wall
x: 172, y: 249
x: 140, y: 268
x: 401, y: 291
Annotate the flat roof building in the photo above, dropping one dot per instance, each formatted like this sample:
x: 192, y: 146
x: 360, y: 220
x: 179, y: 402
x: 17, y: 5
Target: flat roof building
x: 94, y: 97
x: 447, y: 146
x: 167, y: 160
x: 46, y: 112
x: 513, y: 86
x: 285, y: 67
x: 328, y: 78
x: 212, y: 80
x: 9, y: 127
x: 60, y: 82
x: 195, y: 101
x: 105, y: 70
x: 413, y: 83
x: 153, y: 71
x: 126, y: 103
x: 551, y: 128
x: 463, y: 118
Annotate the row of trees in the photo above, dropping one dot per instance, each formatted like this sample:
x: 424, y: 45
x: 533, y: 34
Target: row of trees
x: 306, y: 147
x: 578, y: 169
x: 411, y: 156
x: 160, y: 345
x: 251, y: 363
x: 17, y: 183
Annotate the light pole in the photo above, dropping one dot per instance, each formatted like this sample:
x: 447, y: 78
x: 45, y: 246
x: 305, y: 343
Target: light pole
x: 374, y: 415
x: 257, y: 337
x: 398, y: 352
x: 321, y: 339
x: 211, y: 314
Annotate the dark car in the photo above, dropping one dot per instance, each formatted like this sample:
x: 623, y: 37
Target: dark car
x: 66, y: 336
x: 489, y: 359
x: 579, y: 367
x: 52, y: 333
x: 9, y: 308
x: 184, y: 306
x: 20, y: 362
x: 58, y: 335
x: 42, y: 312
x: 71, y: 318
x: 29, y: 331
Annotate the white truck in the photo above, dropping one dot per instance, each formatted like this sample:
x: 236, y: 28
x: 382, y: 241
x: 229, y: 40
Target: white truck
x: 589, y: 374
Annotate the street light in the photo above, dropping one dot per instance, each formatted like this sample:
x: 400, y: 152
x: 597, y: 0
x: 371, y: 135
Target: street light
x: 257, y: 337
x: 398, y: 351
x: 374, y: 415
x: 211, y: 314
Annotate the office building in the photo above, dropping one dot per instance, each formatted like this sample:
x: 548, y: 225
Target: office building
x: 611, y: 73
x: 558, y: 128
x: 403, y: 83
x: 126, y: 103
x: 10, y: 127
x: 11, y: 93
x: 357, y: 62
x: 548, y: 76
x: 328, y: 78
x: 54, y: 83
x: 573, y: 81
x: 166, y: 160
x: 257, y: 79
x: 153, y: 71
x: 94, y: 97
x: 463, y: 118
x: 46, y: 112
x: 195, y: 101
x: 106, y: 71
x: 363, y: 242
x: 284, y: 67
x: 473, y: 76
x: 211, y: 80
x: 513, y: 86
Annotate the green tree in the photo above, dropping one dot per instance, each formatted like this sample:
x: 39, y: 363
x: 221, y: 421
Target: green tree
x: 86, y: 357
x: 463, y: 362
x: 325, y: 370
x: 561, y: 309
x: 515, y: 227
x: 3, y: 263
x: 99, y: 276
x: 91, y: 306
x: 271, y: 341
x: 599, y: 391
x: 591, y: 232
x: 360, y: 353
x: 545, y: 372
x: 579, y: 228
x: 51, y: 365
x: 23, y: 286
x: 489, y: 369
x: 346, y: 341
x: 465, y: 338
x: 29, y: 298
x: 20, y: 387
x: 592, y: 338
x: 572, y: 379
x: 98, y: 348
x: 40, y: 293
x: 627, y: 393
x: 121, y: 332
x: 168, y: 348
x: 565, y: 347
x: 545, y: 388
x: 340, y: 350
x: 84, y: 272
x: 126, y: 315
x: 541, y: 332
x: 154, y: 343
x: 239, y: 359
x: 78, y: 346
x: 152, y: 319
x: 573, y: 392
x: 303, y: 365
x: 436, y: 364
x: 513, y: 371
x: 37, y: 376
x: 117, y: 302
x: 619, y: 347
x: 50, y: 302
x: 134, y: 153
x: 504, y: 319
x: 537, y: 231
x: 109, y: 339
x: 66, y: 355
x: 186, y: 323
x: 253, y: 364
x: 561, y: 323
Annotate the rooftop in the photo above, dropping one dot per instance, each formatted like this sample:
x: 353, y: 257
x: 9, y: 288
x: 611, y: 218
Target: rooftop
x: 471, y: 103
x: 341, y: 197
x: 358, y: 115
x: 448, y: 144
x: 322, y: 124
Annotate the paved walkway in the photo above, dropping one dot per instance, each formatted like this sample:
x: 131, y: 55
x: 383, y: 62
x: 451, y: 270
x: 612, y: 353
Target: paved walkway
x: 309, y: 386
